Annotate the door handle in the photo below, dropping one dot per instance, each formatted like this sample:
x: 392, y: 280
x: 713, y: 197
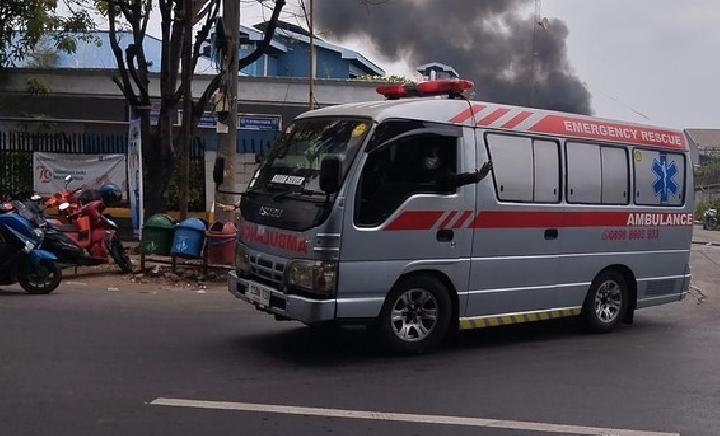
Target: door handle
x: 445, y: 235
x: 551, y: 234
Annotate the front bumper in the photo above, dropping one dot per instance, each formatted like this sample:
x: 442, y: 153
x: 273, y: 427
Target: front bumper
x: 307, y: 310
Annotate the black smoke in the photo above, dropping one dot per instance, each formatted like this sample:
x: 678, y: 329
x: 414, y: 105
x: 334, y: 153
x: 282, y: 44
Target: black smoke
x: 487, y: 41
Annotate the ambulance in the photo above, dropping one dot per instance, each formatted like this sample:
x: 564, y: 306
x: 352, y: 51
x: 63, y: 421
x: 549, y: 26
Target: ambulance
x: 427, y: 213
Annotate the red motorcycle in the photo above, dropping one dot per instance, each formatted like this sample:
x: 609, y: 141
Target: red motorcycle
x: 91, y: 229
x: 65, y: 196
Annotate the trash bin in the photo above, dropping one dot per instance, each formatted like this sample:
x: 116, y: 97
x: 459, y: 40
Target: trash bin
x: 157, y: 237
x: 189, y: 238
x: 221, y: 243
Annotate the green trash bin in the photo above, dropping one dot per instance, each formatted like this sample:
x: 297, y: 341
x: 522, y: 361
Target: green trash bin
x: 157, y: 237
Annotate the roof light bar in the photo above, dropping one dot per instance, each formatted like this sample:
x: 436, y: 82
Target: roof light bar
x: 423, y: 89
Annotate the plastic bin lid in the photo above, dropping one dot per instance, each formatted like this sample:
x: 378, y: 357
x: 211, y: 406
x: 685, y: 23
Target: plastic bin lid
x: 192, y: 223
x: 221, y: 228
x: 161, y: 221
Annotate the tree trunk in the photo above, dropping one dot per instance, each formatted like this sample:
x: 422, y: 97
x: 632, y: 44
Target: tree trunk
x: 159, y: 165
x: 187, y: 127
x: 228, y: 142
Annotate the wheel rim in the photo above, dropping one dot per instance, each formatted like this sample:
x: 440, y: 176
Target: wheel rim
x: 41, y: 277
x: 414, y: 315
x: 608, y: 301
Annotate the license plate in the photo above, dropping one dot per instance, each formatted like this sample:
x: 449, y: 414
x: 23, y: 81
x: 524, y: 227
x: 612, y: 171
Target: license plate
x: 258, y: 294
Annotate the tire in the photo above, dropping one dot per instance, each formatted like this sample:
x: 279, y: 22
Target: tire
x: 406, y: 323
x: 606, y: 302
x: 117, y: 251
x: 42, y: 279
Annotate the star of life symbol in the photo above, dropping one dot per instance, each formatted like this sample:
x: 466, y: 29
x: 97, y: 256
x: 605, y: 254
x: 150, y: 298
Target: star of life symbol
x: 665, y: 172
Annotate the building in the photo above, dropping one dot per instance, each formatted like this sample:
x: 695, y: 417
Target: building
x: 290, y: 53
x: 705, y: 152
x: 80, y: 104
x: 437, y: 71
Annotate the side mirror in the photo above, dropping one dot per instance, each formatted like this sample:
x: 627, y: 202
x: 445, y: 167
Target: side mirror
x: 219, y: 170
x: 68, y: 179
x: 330, y: 174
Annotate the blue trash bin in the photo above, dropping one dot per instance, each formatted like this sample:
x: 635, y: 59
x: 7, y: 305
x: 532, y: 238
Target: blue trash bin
x: 189, y: 238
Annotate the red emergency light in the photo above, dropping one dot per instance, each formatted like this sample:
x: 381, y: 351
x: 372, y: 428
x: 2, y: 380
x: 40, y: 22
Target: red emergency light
x: 452, y: 88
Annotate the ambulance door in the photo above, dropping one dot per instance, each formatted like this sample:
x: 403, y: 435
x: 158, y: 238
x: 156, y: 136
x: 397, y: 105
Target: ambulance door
x: 403, y: 214
x: 516, y: 234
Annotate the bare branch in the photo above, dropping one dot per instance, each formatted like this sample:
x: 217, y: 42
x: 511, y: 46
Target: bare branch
x: 126, y: 87
x: 204, y: 31
x: 261, y: 48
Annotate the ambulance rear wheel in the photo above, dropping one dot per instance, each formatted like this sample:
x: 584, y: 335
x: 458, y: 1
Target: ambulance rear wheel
x: 416, y: 314
x: 606, y: 302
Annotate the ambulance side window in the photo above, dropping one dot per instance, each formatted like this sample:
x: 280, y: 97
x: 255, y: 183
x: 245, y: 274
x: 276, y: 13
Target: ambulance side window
x: 404, y: 159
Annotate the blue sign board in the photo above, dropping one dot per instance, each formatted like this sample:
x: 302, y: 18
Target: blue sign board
x: 259, y: 122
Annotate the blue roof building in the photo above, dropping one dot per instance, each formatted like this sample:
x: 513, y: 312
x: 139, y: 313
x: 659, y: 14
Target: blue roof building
x: 288, y: 55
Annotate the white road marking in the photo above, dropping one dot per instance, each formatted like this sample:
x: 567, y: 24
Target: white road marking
x: 405, y: 417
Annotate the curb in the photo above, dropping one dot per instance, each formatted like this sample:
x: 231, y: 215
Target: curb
x: 705, y: 243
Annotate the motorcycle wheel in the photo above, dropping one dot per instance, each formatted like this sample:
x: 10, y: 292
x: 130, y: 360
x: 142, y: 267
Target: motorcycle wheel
x: 41, y: 279
x: 117, y: 251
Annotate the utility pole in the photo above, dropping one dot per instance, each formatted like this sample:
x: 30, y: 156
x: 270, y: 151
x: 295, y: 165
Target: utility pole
x: 186, y: 143
x: 227, y: 140
x: 311, y: 103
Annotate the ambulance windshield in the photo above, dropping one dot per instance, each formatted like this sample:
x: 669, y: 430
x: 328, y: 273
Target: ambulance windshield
x: 285, y: 193
x: 293, y: 165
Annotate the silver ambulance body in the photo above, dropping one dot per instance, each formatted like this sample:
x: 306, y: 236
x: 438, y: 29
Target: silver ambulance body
x: 578, y: 217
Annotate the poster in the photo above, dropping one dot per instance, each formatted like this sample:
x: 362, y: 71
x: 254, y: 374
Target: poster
x: 89, y: 171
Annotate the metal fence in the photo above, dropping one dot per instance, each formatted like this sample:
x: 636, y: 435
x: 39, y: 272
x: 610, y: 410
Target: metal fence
x: 17, y: 147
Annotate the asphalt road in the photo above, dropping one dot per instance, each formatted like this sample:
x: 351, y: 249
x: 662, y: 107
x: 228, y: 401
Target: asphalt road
x: 85, y: 361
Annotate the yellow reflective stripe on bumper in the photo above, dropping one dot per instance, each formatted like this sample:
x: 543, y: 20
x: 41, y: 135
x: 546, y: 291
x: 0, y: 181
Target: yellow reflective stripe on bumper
x: 517, y: 318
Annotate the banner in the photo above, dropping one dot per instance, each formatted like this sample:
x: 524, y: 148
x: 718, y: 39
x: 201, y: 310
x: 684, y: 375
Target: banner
x: 134, y: 171
x: 89, y: 171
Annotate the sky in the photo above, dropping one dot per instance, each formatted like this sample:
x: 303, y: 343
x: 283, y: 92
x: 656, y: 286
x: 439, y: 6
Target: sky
x: 647, y: 61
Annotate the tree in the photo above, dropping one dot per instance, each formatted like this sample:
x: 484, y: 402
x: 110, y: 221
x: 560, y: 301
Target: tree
x: 24, y: 23
x: 162, y: 146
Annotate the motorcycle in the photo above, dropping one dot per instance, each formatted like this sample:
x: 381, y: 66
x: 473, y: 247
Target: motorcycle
x: 21, y: 259
x: 65, y: 196
x: 96, y: 233
x: 55, y: 240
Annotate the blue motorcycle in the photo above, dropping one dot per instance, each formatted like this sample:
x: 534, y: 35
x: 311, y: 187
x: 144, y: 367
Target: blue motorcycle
x: 22, y: 261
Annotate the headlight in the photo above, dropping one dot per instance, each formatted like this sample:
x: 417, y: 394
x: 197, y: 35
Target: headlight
x: 314, y: 276
x: 242, y: 258
x: 29, y: 246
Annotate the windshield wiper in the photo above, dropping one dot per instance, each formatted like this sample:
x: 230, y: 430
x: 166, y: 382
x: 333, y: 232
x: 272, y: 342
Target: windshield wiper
x: 296, y: 191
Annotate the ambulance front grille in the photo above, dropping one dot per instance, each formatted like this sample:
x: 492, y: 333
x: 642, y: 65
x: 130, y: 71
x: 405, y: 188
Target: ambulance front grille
x: 267, y: 269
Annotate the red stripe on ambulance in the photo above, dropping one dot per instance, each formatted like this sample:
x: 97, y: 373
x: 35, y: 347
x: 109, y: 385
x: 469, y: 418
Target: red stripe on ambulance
x: 467, y: 113
x: 426, y: 220
x: 517, y: 119
x: 596, y: 129
x: 513, y: 220
x: 492, y: 117
x: 415, y: 220
x: 461, y: 221
x: 447, y: 220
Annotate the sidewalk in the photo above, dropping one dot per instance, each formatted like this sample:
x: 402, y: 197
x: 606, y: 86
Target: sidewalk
x: 705, y: 237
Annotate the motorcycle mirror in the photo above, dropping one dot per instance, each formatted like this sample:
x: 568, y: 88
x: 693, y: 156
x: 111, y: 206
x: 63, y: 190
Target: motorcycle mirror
x: 68, y: 179
x: 63, y: 206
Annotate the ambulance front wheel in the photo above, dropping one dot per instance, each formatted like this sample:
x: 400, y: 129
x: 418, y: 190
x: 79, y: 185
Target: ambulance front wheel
x: 416, y: 314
